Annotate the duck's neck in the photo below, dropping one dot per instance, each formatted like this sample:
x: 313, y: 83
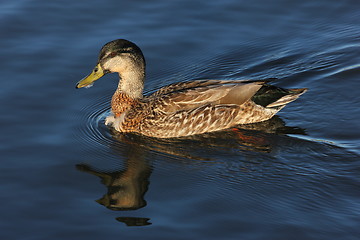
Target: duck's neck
x: 132, y: 83
x: 128, y: 92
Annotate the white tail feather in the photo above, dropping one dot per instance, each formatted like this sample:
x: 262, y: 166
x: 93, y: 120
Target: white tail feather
x: 286, y: 99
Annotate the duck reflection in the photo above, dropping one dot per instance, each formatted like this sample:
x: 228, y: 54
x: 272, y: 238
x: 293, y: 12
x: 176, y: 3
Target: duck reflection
x: 125, y: 188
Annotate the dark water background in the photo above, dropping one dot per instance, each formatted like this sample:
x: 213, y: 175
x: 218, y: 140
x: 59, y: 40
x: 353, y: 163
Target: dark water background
x: 298, y: 181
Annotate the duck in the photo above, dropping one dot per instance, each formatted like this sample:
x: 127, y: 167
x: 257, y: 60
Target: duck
x: 184, y: 108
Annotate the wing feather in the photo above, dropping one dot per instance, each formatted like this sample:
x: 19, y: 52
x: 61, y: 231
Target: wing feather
x: 190, y: 95
x: 199, y: 83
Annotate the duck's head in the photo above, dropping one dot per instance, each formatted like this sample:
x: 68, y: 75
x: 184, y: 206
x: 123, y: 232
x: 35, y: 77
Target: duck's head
x: 121, y: 56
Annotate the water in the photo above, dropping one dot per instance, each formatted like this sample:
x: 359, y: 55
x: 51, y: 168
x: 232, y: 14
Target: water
x: 296, y: 177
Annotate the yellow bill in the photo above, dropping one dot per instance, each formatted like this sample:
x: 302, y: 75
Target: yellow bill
x: 91, y: 78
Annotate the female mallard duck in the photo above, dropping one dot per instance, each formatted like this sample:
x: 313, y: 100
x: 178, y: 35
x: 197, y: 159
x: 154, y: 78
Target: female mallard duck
x: 184, y: 108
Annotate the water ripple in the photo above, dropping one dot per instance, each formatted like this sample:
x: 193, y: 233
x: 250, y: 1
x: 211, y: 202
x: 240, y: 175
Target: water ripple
x: 93, y: 131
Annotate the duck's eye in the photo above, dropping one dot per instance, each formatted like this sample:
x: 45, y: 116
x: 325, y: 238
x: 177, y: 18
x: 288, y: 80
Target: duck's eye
x: 113, y: 54
x: 96, y: 69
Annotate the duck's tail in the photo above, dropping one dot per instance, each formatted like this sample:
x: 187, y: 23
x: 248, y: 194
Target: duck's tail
x: 275, y: 97
x: 292, y: 95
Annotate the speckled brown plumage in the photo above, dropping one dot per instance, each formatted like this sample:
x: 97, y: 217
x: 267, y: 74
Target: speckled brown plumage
x: 192, y: 108
x: 184, y: 108
x: 121, y: 102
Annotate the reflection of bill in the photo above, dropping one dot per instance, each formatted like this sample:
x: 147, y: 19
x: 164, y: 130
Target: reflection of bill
x: 126, y: 188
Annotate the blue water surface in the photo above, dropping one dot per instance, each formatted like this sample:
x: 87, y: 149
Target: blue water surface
x: 64, y: 175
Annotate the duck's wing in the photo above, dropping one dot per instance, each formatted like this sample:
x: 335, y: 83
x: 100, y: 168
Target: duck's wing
x: 180, y: 86
x: 183, y: 85
x: 191, y: 95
